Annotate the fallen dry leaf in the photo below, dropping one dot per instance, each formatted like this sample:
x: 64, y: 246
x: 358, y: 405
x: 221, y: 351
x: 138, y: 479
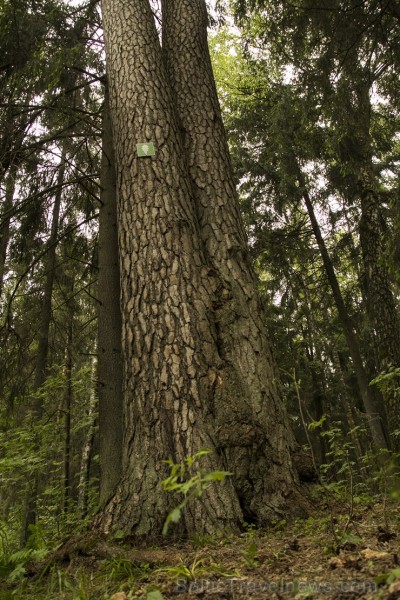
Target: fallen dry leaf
x: 394, y: 591
x: 344, y: 561
x: 394, y: 587
x: 335, y: 562
x: 374, y: 554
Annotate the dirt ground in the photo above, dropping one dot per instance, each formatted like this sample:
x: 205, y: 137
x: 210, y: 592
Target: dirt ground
x: 339, y: 554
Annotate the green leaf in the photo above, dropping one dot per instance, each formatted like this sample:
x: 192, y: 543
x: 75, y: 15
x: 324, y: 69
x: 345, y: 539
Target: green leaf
x: 217, y: 476
x: 154, y: 595
x: 119, y: 534
x: 315, y: 424
x: 203, y: 452
x: 175, y: 515
x: 17, y: 574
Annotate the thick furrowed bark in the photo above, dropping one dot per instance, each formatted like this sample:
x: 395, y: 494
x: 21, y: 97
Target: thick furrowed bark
x: 251, y: 423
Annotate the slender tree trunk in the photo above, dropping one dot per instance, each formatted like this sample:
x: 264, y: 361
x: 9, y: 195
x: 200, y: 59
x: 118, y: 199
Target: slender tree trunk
x: 374, y: 420
x: 5, y: 231
x: 67, y: 406
x: 380, y: 303
x: 249, y: 394
x: 110, y: 326
x: 50, y: 267
x: 176, y: 382
x: 315, y: 365
x: 43, y: 343
x: 346, y: 404
x: 84, y: 470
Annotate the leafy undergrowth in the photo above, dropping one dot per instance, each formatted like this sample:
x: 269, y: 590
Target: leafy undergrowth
x: 328, y: 555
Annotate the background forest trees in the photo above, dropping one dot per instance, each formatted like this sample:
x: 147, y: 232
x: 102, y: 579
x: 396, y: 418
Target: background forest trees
x: 310, y: 105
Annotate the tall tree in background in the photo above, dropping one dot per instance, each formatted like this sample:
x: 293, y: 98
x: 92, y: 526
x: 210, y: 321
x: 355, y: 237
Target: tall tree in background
x: 45, y: 85
x: 197, y: 367
x: 5, y: 228
x: 363, y: 178
x: 43, y: 341
x: 340, y: 57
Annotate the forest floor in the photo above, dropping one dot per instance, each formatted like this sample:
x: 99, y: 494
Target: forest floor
x: 336, y: 554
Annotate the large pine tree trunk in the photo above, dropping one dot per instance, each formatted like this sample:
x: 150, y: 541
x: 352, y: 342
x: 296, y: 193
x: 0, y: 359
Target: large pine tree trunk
x: 188, y: 333
x: 252, y: 425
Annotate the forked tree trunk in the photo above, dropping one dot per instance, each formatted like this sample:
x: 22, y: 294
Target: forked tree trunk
x: 180, y: 392
x: 110, y: 326
x: 167, y: 340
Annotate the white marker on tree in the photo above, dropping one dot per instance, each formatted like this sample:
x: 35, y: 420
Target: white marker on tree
x: 146, y: 149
